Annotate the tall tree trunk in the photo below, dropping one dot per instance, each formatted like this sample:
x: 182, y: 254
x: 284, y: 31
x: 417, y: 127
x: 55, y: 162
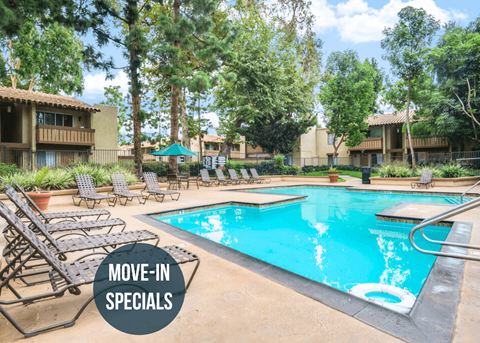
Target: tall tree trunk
x: 228, y: 142
x: 184, y: 121
x: 200, y: 156
x: 409, y: 135
x: 133, y: 66
x: 174, y: 125
x: 174, y: 99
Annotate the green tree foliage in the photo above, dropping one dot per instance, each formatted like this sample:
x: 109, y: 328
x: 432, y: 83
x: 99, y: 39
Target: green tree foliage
x: 194, y: 49
x: 453, y: 110
x: 349, y: 97
x: 406, y: 47
x: 277, y: 70
x: 46, y: 58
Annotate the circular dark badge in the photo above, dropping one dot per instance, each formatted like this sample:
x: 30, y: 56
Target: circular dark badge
x: 139, y: 289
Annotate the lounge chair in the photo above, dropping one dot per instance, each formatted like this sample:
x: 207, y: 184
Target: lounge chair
x: 255, y: 176
x: 47, y: 217
x: 206, y: 179
x: 245, y: 176
x: 63, y: 277
x: 233, y: 176
x: 152, y: 188
x: 121, y: 190
x: 87, y: 192
x: 64, y: 246
x: 221, y: 178
x: 425, y: 179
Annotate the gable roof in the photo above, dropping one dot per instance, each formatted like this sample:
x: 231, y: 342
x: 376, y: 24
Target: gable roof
x: 22, y: 96
x: 213, y: 139
x: 389, y: 118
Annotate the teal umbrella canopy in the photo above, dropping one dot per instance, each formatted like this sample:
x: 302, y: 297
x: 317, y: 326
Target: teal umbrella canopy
x: 174, y: 150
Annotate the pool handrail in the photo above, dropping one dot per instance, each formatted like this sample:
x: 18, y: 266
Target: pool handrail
x: 468, y: 190
x: 438, y: 218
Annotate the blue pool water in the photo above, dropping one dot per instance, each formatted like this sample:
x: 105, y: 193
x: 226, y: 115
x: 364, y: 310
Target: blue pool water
x: 333, y: 237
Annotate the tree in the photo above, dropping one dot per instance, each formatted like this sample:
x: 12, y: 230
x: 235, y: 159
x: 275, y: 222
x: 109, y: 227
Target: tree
x: 193, y: 54
x: 348, y: 98
x: 406, y: 49
x: 277, y: 72
x: 455, y: 111
x: 48, y: 58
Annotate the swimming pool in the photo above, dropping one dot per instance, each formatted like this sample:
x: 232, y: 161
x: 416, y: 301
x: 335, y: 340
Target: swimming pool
x: 333, y: 237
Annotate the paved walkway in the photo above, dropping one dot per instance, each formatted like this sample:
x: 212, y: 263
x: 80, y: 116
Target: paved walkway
x: 227, y: 303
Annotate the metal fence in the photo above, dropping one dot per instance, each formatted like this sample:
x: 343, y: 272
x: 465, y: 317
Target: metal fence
x: 29, y: 159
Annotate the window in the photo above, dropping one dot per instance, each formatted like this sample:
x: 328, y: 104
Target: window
x: 375, y: 133
x: 232, y: 148
x: 209, y: 147
x: 377, y: 159
x: 330, y: 138
x: 57, y: 119
x: 46, y: 159
x: 335, y: 162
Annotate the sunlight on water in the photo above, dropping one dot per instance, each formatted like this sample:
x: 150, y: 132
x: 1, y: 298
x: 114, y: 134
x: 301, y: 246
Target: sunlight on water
x: 333, y: 237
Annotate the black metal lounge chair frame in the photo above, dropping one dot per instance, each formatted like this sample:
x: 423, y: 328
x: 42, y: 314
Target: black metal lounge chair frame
x: 121, y: 190
x: 425, y: 179
x: 69, y: 215
x: 152, y: 188
x: 62, y: 276
x: 87, y: 192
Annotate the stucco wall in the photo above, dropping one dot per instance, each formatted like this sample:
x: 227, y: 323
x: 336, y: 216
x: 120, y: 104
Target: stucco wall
x: 324, y: 149
x: 105, y: 125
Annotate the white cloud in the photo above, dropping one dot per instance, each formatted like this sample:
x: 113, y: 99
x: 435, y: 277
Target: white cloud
x: 212, y: 117
x: 358, y: 23
x: 95, y: 84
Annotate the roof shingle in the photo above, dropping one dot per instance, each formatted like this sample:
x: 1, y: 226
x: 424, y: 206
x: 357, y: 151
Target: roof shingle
x: 389, y: 118
x: 43, y: 99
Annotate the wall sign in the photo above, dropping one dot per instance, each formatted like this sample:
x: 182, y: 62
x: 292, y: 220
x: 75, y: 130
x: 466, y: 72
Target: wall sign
x: 214, y: 162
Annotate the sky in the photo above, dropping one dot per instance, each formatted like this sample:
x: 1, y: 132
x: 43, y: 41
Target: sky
x: 341, y: 24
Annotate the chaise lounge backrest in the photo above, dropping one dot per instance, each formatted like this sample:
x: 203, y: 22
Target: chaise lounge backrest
x: 151, y: 181
x: 85, y: 184
x: 220, y: 175
x: 426, y: 176
x: 23, y: 206
x: 245, y: 174
x: 34, y: 241
x: 204, y: 175
x: 233, y: 174
x: 28, y: 199
x: 120, y: 184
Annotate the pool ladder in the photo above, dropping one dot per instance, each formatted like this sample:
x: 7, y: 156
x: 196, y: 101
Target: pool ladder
x: 438, y: 218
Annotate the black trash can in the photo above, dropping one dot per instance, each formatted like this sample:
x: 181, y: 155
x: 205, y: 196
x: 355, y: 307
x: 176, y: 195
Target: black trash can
x: 366, y: 173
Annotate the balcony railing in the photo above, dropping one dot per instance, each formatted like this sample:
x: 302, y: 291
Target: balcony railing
x: 430, y: 142
x: 369, y: 144
x: 50, y: 134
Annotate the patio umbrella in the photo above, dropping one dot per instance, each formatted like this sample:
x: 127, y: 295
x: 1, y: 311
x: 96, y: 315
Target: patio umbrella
x: 174, y: 150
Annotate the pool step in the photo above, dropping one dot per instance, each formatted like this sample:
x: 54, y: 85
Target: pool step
x: 457, y: 201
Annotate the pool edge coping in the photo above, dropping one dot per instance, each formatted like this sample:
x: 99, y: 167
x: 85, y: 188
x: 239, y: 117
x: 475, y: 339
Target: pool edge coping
x: 447, y: 272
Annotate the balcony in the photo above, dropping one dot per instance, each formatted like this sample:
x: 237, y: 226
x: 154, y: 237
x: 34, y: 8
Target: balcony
x: 430, y: 142
x: 369, y: 144
x: 50, y: 134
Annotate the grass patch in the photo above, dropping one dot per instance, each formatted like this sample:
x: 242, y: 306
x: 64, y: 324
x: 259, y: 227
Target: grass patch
x: 357, y: 174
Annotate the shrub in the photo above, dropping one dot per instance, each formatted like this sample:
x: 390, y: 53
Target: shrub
x: 436, y: 171
x: 279, y: 161
x: 63, y: 178
x: 395, y: 169
x: 5, y: 169
x: 453, y: 170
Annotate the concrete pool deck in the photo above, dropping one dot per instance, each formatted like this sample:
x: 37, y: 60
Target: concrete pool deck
x: 228, y: 303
